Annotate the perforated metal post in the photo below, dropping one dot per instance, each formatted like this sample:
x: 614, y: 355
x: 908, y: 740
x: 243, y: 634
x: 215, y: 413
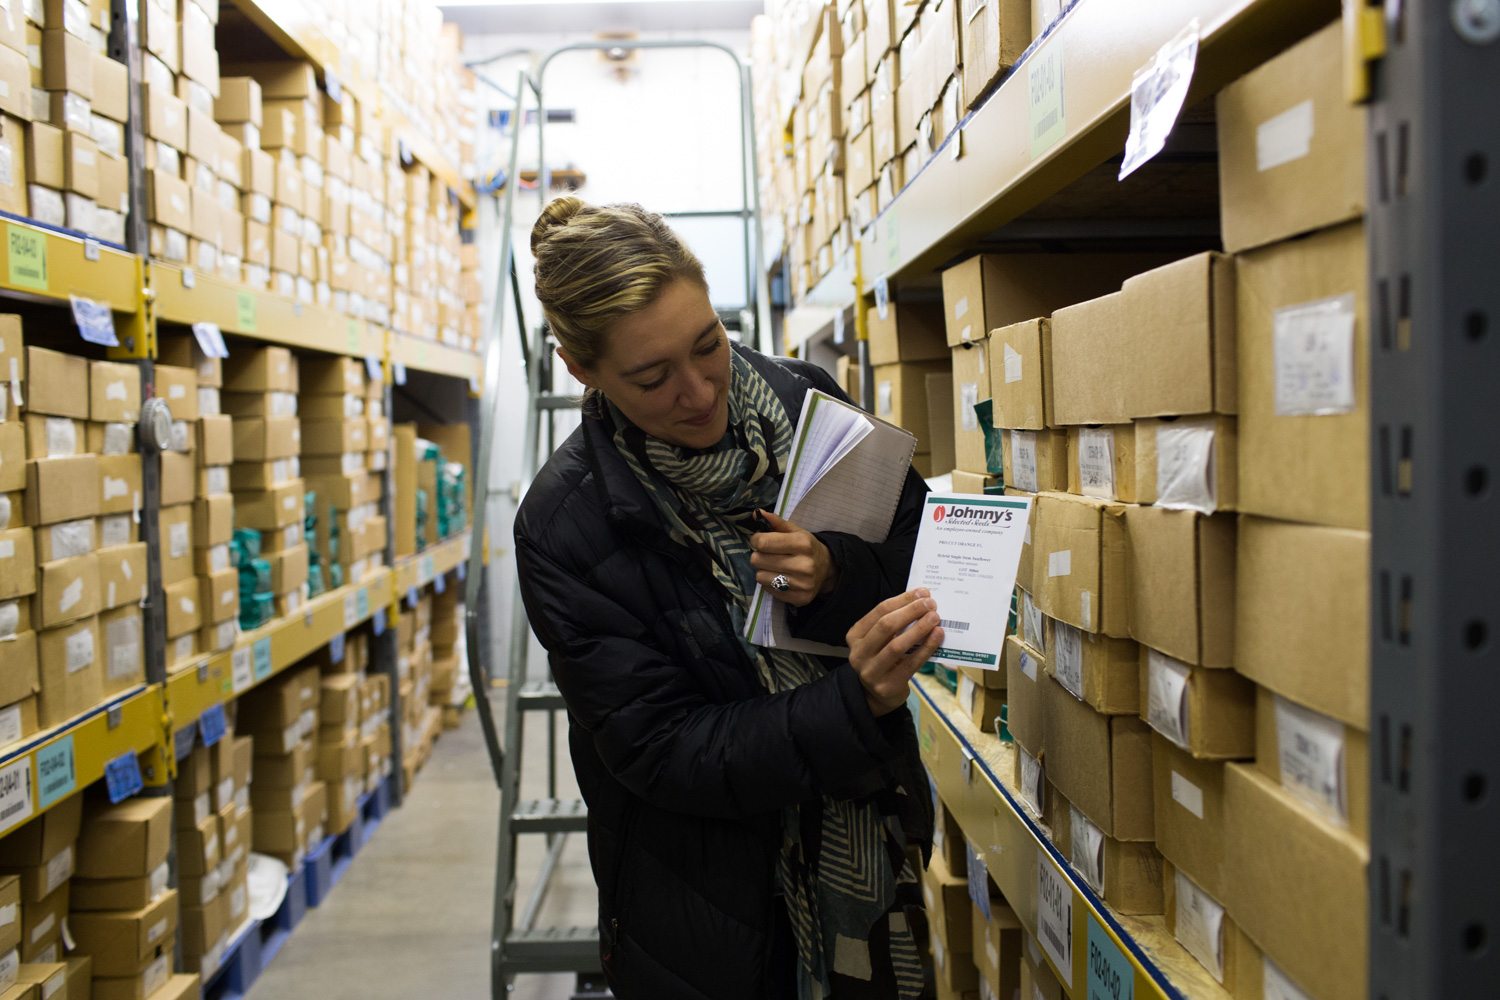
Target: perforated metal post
x: 1434, y: 201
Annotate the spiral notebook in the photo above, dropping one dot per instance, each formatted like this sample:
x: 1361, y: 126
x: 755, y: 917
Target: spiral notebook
x: 846, y: 473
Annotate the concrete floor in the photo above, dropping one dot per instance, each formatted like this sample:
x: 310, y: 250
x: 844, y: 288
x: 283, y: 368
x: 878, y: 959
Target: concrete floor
x: 412, y: 916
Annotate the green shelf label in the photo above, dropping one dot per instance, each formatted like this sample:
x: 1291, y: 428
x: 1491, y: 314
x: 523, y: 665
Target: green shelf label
x: 244, y: 308
x: 1044, y: 78
x: 351, y: 335
x: 56, y: 775
x: 1111, y: 976
x: 28, y: 258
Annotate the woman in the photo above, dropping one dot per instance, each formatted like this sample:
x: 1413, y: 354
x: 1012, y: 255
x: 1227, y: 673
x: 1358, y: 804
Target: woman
x: 750, y: 810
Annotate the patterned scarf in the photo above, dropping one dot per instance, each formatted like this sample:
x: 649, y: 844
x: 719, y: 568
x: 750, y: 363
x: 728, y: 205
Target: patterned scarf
x: 843, y: 870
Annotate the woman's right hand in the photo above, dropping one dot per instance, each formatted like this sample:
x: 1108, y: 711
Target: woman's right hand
x: 890, y: 644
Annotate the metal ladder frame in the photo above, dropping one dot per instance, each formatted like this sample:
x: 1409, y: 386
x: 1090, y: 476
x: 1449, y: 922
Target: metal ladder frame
x: 516, y: 945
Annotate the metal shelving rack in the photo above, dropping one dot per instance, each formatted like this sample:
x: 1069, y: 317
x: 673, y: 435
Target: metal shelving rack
x: 1429, y: 69
x: 45, y: 265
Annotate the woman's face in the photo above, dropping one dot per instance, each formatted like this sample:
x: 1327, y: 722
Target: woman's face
x: 667, y: 368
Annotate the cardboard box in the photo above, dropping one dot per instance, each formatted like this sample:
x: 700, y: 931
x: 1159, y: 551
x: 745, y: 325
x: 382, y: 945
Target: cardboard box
x: 1024, y: 669
x: 81, y: 160
x: 67, y: 590
x: 1291, y: 146
x: 1305, y: 453
x: 270, y: 509
x: 264, y: 369
x: 123, y: 943
x: 122, y: 632
x: 1188, y: 462
x: 62, y: 489
x: 239, y: 100
x: 331, y: 375
x: 1103, y: 462
x: 12, y: 456
x: 220, y: 595
x: 114, y: 392
x: 17, y: 564
x: 1021, y: 375
x: 1035, y: 461
x: 153, y: 982
x: 1189, y: 804
x: 198, y: 848
x: 995, y: 33
x: 13, y: 186
x: 1102, y: 763
x: 1176, y: 348
x: 901, y: 396
x: 184, y: 615
x: 1209, y: 713
x: 993, y: 290
x: 215, y: 440
x: 334, y: 437
x: 178, y: 479
x: 946, y: 895
x: 1291, y: 878
x: 72, y: 675
x: 50, y: 980
x: 1319, y: 761
x: 179, y: 387
x: 1182, y: 583
x: 975, y: 483
x: 1302, y: 597
x: 971, y: 384
x: 52, y: 381
x: 51, y: 437
x: 940, y: 430
x: 122, y: 575
x: 10, y: 913
x: 1080, y: 570
x: 176, y: 524
x: 119, y: 484
x: 15, y: 74
x: 44, y: 838
x: 41, y: 924
x: 1126, y: 874
x: 1103, y: 673
x: 261, y: 439
x: 213, y: 520
x: 67, y: 63
x: 169, y: 200
x: 909, y: 331
x: 1199, y: 923
x: 128, y: 840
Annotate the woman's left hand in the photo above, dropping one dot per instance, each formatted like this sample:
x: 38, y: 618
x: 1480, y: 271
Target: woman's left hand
x: 787, y: 550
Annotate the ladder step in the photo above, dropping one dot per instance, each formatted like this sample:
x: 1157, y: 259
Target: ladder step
x: 553, y: 949
x: 541, y: 696
x: 550, y: 816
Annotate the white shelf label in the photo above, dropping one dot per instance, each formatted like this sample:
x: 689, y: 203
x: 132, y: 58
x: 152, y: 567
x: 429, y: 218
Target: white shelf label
x: 16, y: 802
x: 242, y: 671
x: 1054, y: 916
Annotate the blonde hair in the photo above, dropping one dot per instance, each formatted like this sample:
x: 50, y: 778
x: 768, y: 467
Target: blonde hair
x: 596, y: 263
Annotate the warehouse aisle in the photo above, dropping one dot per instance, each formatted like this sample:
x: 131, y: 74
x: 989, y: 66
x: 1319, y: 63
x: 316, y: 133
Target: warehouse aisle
x: 412, y: 916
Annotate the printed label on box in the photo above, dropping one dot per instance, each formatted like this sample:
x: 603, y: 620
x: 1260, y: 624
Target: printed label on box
x: 1060, y: 563
x: 1054, y: 916
x: 1277, y: 986
x: 1284, y: 138
x: 1028, y: 666
x: 1031, y: 781
x: 79, y: 649
x: 1012, y: 365
x: 1096, y: 462
x: 1314, y: 352
x: 884, y: 396
x: 1311, y: 755
x: 1166, y: 698
x: 1023, y: 469
x: 969, y: 394
x: 1067, y: 657
x: 1087, y: 849
x: 1031, y: 623
x: 1200, y: 925
x: 1184, y: 466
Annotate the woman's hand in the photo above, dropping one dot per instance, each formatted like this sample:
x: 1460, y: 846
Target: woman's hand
x: 888, y: 645
x: 788, y: 551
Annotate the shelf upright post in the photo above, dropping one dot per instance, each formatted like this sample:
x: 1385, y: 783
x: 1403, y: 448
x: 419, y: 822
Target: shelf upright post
x: 384, y: 655
x: 1434, y: 917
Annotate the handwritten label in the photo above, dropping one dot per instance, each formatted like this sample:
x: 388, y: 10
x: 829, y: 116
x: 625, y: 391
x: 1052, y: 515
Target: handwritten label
x: 56, y: 773
x: 1156, y: 95
x: 244, y: 312
x: 211, y: 725
x: 1054, y: 916
x: 1314, y: 351
x: 16, y: 803
x: 123, y: 776
x: 261, y: 654
x: 28, y: 258
x: 1111, y: 976
x: 95, y: 321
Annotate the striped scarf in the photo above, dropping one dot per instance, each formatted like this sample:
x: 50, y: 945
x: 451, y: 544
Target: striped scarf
x: 843, y: 869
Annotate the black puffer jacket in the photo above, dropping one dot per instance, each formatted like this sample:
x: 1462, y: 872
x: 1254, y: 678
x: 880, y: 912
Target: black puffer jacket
x: 684, y: 761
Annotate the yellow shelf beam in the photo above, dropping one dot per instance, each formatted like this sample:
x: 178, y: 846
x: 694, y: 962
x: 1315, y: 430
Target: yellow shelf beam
x: 975, y: 777
x: 420, y: 570
x: 38, y: 262
x: 288, y: 24
x: 1002, y: 171
x: 440, y: 359
x: 55, y: 764
x: 267, y: 651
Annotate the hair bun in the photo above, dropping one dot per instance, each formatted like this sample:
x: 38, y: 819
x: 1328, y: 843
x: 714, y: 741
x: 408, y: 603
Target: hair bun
x: 558, y: 213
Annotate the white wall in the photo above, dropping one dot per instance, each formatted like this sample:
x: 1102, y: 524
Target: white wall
x: 666, y: 136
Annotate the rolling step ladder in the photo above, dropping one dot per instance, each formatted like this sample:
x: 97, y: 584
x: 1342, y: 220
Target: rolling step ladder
x: 518, y: 946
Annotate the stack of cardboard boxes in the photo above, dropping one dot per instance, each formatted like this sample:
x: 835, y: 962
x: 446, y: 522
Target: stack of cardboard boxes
x: 336, y: 445
x: 184, y: 597
x: 449, y: 658
x: 346, y: 665
x: 260, y: 392
x: 90, y: 571
x: 289, y: 803
x: 215, y: 895
x: 37, y: 862
x: 1189, y: 678
x: 124, y: 915
x: 912, y: 376
x: 64, y: 104
x: 341, y: 757
x: 422, y: 721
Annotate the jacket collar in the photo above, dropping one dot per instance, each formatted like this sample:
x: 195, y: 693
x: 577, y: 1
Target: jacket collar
x: 625, y: 500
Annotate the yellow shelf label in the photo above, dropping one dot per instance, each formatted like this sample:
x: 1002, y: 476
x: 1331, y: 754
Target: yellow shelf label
x: 244, y: 307
x: 1044, y: 78
x: 28, y: 258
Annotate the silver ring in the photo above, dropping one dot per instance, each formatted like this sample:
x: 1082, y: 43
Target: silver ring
x: 780, y: 583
